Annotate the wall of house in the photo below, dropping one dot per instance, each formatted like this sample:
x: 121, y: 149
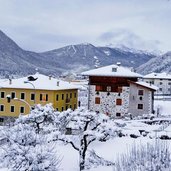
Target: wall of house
x: 69, y: 100
x: 108, y: 101
x: 135, y: 99
x: 164, y: 85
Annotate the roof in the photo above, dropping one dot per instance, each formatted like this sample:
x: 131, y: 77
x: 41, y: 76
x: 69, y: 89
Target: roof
x: 145, y: 85
x: 41, y: 83
x: 112, y: 71
x: 162, y: 75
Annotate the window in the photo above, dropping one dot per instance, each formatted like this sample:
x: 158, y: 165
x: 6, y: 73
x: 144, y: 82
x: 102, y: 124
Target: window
x: 75, y: 106
x: 70, y: 107
x: 12, y: 95
x: 75, y: 95
x: 1, y: 108
x: 12, y: 109
x: 22, y: 96
x: 66, y: 96
x: 161, y: 83
x: 140, y: 106
x: 66, y: 107
x: 118, y: 114
x: 43, y: 97
x: 169, y: 83
x: 108, y: 88
x: 118, y: 101
x: 119, y: 89
x: 62, y: 108
x: 141, y: 98
x: 46, y: 97
x: 160, y: 89
x: 21, y: 109
x: 62, y: 96
x: 70, y: 95
x: 141, y: 92
x: 57, y: 97
x: 32, y: 96
x: 99, y: 88
x: 97, y: 100
x: 1, y: 119
x: 2, y: 94
x: 56, y: 109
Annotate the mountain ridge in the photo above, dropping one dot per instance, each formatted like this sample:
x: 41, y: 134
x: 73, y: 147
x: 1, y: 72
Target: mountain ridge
x: 72, y: 58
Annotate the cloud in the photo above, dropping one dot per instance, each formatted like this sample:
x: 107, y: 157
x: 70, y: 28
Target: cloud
x: 42, y: 24
x: 123, y: 37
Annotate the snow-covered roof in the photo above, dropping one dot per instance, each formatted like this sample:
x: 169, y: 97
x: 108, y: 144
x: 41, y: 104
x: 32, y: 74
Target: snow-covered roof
x: 41, y: 83
x: 112, y: 71
x: 162, y: 75
x: 146, y: 85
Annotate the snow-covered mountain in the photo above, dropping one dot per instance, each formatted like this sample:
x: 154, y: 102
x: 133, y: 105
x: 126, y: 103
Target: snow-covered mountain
x: 17, y: 61
x: 161, y: 63
x: 73, y: 58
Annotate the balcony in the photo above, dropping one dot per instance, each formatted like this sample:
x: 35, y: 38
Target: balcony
x: 67, y: 100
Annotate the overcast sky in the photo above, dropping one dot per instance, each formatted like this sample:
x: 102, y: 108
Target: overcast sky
x: 41, y: 25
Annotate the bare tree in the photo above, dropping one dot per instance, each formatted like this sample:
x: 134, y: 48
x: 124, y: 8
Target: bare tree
x: 86, y: 128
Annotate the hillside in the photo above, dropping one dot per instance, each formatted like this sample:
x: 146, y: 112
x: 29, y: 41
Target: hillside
x: 73, y: 58
x: 161, y: 63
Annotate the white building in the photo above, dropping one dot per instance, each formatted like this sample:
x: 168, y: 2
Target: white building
x: 161, y: 80
x: 115, y: 91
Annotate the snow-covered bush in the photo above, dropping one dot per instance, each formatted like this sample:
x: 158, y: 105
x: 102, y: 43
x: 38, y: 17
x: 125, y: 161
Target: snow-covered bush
x: 27, y: 150
x: 149, y: 157
x: 40, y: 118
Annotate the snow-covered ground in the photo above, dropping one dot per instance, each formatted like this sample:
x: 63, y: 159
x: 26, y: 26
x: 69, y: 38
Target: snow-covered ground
x: 164, y: 106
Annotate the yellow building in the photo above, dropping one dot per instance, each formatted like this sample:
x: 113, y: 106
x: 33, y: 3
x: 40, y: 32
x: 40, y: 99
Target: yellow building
x: 17, y: 96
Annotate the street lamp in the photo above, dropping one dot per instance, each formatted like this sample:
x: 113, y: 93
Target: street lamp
x: 28, y: 82
x: 17, y: 99
x: 21, y: 100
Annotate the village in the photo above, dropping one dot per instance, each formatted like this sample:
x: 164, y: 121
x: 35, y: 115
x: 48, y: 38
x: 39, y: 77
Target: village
x: 113, y: 90
x: 138, y: 107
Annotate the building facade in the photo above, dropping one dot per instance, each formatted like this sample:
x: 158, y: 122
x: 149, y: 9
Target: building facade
x: 115, y: 91
x: 162, y: 81
x: 18, y: 96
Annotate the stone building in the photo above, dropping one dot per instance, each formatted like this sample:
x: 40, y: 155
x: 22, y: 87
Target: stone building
x: 115, y: 91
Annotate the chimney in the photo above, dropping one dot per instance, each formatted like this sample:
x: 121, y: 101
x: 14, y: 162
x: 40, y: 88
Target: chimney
x: 10, y: 81
x: 57, y: 83
x: 118, y: 63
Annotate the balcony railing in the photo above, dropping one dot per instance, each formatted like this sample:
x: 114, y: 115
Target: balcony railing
x: 67, y: 100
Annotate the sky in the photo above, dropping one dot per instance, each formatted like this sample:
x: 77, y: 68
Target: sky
x: 42, y: 25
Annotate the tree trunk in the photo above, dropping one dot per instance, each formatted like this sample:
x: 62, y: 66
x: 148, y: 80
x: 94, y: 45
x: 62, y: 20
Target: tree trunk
x: 82, y: 160
x: 82, y: 153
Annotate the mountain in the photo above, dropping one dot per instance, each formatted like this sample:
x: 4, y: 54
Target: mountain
x: 73, y: 58
x: 160, y: 63
x: 85, y: 56
x: 17, y: 61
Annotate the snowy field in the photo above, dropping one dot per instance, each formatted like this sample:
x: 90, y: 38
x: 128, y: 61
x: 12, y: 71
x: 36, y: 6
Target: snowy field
x: 111, y: 149
x: 164, y: 107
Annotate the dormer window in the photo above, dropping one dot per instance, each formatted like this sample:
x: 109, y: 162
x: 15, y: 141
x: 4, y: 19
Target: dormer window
x: 114, y: 69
